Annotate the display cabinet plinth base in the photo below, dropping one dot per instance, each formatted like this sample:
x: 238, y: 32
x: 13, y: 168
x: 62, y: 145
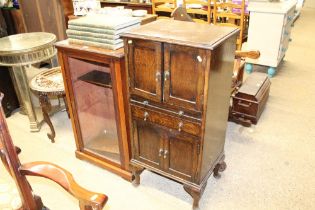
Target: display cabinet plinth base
x: 115, y: 169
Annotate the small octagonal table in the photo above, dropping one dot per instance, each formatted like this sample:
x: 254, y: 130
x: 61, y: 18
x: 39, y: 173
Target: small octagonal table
x: 20, y: 51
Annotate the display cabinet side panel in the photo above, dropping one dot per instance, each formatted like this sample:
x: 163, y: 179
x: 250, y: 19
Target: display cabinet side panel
x: 217, y: 106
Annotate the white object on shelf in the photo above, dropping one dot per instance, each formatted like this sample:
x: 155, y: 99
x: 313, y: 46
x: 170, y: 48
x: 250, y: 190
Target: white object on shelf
x: 139, y: 13
x: 269, y: 30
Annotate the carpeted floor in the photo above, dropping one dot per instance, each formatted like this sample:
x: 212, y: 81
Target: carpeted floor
x: 270, y: 166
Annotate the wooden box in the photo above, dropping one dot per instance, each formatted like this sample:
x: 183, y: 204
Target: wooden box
x: 251, y: 98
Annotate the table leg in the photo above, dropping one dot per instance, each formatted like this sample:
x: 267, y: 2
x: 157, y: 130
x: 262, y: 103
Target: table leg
x: 22, y: 87
x: 46, y: 108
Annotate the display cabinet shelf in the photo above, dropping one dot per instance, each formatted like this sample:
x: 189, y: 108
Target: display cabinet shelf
x: 97, y: 78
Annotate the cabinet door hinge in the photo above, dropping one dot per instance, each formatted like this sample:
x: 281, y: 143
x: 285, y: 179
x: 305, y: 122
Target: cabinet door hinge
x: 198, y: 149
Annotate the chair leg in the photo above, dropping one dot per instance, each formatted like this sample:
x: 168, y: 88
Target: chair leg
x: 46, y: 107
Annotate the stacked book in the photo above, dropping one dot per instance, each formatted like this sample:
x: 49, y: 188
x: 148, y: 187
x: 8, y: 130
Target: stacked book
x: 100, y: 30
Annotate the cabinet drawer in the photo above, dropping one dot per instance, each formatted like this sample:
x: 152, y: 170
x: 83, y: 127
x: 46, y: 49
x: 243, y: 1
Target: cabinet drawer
x: 169, y: 121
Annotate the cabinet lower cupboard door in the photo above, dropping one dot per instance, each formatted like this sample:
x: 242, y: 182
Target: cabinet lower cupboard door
x: 149, y: 143
x: 145, y: 71
x: 181, y: 156
x: 160, y: 147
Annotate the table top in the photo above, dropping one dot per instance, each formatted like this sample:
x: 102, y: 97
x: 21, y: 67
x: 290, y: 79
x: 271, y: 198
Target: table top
x: 271, y: 7
x: 183, y: 33
x: 26, y: 42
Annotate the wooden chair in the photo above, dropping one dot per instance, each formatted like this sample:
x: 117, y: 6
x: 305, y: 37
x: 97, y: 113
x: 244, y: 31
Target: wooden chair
x: 198, y: 9
x: 163, y: 7
x: 223, y: 15
x: 238, y: 70
x: 87, y: 200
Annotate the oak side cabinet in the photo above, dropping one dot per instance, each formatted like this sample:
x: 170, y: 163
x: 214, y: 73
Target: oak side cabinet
x: 179, y: 79
x: 95, y: 95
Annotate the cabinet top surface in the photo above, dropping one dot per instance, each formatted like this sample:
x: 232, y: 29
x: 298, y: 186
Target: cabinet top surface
x: 272, y: 7
x: 183, y: 33
x: 119, y: 53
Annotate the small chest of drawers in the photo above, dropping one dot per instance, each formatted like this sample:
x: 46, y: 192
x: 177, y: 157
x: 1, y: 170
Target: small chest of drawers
x: 178, y: 78
x: 269, y: 32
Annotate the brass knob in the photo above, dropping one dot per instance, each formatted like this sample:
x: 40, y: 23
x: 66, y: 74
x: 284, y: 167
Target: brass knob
x: 146, y: 115
x: 180, y: 126
x: 158, y: 76
x: 166, y: 75
x: 160, y: 152
x: 165, y: 154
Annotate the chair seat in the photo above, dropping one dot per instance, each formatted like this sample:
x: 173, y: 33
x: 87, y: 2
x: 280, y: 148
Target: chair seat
x: 48, y: 82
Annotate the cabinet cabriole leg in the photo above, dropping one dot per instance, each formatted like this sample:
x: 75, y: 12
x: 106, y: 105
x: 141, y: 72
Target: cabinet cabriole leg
x: 195, y: 193
x: 220, y: 167
x: 136, y: 175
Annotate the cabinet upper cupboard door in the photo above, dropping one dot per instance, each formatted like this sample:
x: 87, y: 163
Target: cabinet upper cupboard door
x: 145, y: 69
x: 184, y: 70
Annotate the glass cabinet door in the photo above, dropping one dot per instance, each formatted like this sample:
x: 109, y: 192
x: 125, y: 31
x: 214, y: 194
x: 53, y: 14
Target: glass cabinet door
x: 94, y: 102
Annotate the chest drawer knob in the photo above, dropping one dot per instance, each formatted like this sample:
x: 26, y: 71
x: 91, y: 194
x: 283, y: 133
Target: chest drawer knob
x: 145, y: 115
x: 181, y: 113
x: 161, y: 152
x: 165, y: 154
x: 145, y: 103
x: 180, y: 126
x: 129, y: 41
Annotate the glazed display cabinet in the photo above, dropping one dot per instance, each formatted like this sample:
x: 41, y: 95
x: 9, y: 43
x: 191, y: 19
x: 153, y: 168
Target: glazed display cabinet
x: 92, y: 78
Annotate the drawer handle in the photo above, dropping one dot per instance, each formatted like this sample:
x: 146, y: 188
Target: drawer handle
x: 146, y: 115
x: 180, y: 126
x: 158, y: 76
x: 166, y: 75
x: 160, y: 152
x: 129, y: 41
x: 145, y: 103
x: 199, y: 58
x: 244, y: 105
x: 165, y: 154
x: 181, y: 113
